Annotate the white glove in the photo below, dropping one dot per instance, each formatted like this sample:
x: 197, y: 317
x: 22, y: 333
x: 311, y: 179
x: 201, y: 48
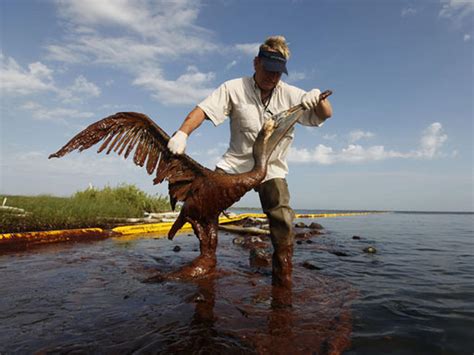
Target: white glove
x: 311, y: 99
x: 177, y: 143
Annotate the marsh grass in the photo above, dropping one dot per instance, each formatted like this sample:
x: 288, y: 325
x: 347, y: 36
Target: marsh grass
x: 84, y: 209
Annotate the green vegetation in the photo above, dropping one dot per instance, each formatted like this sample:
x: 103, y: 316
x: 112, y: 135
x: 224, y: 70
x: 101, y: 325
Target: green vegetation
x: 84, y: 209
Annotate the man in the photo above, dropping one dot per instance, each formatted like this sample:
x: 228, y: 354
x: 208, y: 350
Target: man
x: 248, y: 101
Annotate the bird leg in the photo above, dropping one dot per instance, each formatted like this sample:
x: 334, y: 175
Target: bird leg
x: 207, y: 236
x: 205, y: 263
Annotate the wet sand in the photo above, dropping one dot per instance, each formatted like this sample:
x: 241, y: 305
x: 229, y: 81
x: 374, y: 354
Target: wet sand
x: 90, y: 297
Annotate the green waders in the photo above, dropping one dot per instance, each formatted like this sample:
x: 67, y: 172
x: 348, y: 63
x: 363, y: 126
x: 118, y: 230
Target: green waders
x: 275, y: 200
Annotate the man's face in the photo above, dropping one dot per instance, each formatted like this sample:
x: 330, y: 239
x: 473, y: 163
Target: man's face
x: 266, y: 80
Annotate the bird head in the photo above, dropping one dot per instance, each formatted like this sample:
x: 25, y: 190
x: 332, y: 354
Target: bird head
x: 268, y: 127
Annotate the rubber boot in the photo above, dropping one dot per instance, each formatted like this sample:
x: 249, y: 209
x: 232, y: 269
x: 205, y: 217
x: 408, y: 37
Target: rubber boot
x: 275, y: 200
x: 282, y: 265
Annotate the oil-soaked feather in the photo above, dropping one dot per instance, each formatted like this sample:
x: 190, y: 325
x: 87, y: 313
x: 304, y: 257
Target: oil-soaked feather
x: 179, y: 191
x: 173, y: 203
x: 182, y: 176
x: 163, y: 171
x: 152, y: 160
x: 106, y: 142
x: 88, y: 139
x: 175, y: 168
x: 139, y: 149
x: 128, y: 132
x: 118, y: 135
x: 132, y: 144
x: 162, y: 168
x: 125, y: 138
x: 128, y: 138
x: 145, y: 152
x: 142, y: 154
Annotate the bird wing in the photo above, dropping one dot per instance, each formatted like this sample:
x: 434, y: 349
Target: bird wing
x: 125, y: 132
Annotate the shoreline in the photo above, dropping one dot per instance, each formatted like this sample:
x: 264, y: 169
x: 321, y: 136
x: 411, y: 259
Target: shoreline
x: 24, y: 240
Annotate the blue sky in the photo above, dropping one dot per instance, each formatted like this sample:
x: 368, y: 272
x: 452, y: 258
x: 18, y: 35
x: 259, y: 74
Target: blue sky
x: 401, y: 137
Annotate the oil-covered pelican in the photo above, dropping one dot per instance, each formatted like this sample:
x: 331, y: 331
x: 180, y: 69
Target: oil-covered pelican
x: 205, y: 193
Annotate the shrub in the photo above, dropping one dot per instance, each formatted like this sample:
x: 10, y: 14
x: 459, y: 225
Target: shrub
x: 88, y: 208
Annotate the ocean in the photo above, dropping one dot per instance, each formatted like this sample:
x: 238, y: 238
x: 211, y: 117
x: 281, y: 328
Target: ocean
x: 414, y: 295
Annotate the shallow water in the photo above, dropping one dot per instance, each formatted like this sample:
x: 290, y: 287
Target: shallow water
x: 414, y: 296
x: 417, y: 291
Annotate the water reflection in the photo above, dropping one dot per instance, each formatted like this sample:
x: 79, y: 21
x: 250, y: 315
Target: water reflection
x: 280, y: 320
x: 232, y: 314
x: 95, y: 302
x: 205, y: 300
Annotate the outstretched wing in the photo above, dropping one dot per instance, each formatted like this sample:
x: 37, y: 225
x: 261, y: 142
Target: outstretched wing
x: 126, y: 132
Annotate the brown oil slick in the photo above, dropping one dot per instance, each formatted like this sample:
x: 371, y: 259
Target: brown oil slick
x: 90, y: 298
x: 231, y: 313
x: 25, y: 241
x: 301, y: 320
x: 205, y: 193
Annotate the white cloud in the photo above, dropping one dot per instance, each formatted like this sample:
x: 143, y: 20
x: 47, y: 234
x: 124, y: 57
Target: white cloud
x: 357, y: 135
x: 214, y: 151
x: 137, y: 30
x: 231, y: 64
x: 431, y: 142
x: 456, y: 9
x: 16, y: 80
x: 39, y: 78
x: 352, y: 154
x: 150, y: 19
x: 81, y: 89
x: 30, y: 161
x: 408, y: 11
x: 105, y: 11
x: 467, y: 37
x: 135, y: 36
x: 57, y: 114
x: 214, y: 155
x: 250, y: 49
x: 329, y: 137
x: 83, y: 86
x: 210, y: 157
x: 295, y: 76
x: 122, y: 52
x: 321, y: 154
x: 188, y: 88
x: 66, y: 53
x: 74, y: 166
x: 91, y: 165
x: 31, y: 172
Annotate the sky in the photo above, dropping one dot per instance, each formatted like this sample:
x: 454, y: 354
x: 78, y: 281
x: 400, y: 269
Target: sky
x: 400, y: 138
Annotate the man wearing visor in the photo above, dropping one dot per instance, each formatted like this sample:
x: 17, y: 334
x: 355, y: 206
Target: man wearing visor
x: 248, y: 101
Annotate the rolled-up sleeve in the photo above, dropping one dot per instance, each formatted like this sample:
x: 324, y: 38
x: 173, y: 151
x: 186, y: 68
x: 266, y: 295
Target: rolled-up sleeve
x: 310, y: 118
x: 217, y: 105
